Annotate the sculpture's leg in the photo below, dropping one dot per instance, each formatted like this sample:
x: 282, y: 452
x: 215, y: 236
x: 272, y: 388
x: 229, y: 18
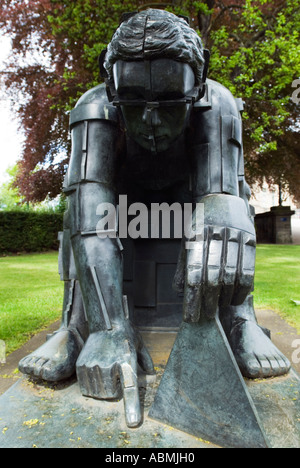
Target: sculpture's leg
x: 56, y: 359
x: 252, y: 347
x: 202, y: 391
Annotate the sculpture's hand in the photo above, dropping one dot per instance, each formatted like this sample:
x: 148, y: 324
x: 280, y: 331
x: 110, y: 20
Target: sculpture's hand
x: 219, y: 264
x: 219, y: 271
x: 107, y: 367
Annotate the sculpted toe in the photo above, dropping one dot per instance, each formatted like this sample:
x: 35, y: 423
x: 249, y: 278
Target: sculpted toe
x: 249, y: 366
x: 256, y: 355
x: 56, y: 359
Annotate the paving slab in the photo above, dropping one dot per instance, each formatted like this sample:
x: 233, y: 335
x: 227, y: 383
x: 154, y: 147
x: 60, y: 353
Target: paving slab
x: 35, y: 414
x: 277, y: 402
x: 32, y: 415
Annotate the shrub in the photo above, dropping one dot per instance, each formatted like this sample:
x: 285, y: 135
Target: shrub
x: 29, y: 231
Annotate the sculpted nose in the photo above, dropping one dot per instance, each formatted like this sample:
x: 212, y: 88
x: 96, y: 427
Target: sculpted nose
x: 151, y: 117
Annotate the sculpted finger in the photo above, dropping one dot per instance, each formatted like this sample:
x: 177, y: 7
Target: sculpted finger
x: 145, y: 360
x: 195, y: 268
x: 179, y: 277
x: 129, y: 381
x: 212, y: 284
x: 192, y: 303
x: 245, y: 274
x: 143, y: 356
x: 231, y: 254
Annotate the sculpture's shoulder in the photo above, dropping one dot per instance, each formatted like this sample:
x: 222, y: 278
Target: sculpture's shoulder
x: 94, y: 105
x: 96, y: 95
x: 217, y: 95
x: 219, y: 89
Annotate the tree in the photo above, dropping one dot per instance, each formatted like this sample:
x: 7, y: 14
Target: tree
x: 255, y: 51
x: 55, y: 45
x: 9, y: 196
x: 11, y: 200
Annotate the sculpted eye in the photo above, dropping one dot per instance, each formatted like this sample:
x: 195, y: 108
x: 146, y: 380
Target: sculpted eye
x: 131, y: 96
x: 170, y: 96
x: 127, y: 93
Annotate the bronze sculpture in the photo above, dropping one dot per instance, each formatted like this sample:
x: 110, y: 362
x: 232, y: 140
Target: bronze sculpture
x: 156, y: 126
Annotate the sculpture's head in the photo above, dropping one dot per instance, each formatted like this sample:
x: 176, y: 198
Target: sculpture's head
x: 154, y: 65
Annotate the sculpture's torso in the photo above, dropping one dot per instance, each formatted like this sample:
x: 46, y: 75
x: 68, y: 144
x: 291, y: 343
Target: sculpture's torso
x: 206, y: 159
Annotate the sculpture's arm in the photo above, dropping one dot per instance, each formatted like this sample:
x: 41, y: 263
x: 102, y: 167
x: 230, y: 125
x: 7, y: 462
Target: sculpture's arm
x: 219, y: 264
x: 109, y: 358
x: 88, y: 183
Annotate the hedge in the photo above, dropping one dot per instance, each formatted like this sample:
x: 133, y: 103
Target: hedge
x: 29, y: 231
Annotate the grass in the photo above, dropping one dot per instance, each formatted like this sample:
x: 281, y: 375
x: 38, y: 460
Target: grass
x: 30, y: 296
x: 31, y: 292
x: 277, y: 281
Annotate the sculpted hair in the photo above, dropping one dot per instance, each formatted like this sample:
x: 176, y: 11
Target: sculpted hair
x: 153, y: 34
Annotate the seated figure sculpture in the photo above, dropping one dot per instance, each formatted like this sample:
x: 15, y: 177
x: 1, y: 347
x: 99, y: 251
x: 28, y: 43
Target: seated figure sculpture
x: 156, y: 126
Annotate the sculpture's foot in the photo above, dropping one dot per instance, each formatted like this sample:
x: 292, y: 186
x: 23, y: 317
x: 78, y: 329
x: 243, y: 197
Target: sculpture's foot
x: 256, y: 355
x: 107, y: 368
x: 56, y: 359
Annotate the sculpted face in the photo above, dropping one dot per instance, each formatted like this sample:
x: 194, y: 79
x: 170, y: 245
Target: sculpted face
x: 155, y: 98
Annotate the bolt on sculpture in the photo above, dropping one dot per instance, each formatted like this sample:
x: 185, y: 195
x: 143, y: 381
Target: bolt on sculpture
x: 156, y: 126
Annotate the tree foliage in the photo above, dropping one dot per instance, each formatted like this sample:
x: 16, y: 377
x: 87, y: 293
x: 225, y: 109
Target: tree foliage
x: 9, y: 196
x: 55, y: 45
x: 255, y: 52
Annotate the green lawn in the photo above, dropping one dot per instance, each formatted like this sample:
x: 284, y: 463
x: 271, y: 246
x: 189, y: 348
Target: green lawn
x: 30, y: 296
x: 277, y: 280
x: 31, y: 291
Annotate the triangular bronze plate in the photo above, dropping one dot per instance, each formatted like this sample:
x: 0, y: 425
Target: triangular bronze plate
x: 203, y: 393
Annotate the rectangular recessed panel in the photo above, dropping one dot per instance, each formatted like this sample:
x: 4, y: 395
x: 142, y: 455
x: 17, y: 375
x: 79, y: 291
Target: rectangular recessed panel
x: 165, y: 292
x: 128, y: 256
x: 165, y: 316
x: 158, y: 250
x: 144, y: 291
